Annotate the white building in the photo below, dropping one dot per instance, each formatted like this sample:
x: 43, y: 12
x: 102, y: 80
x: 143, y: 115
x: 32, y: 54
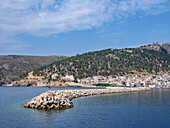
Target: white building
x: 71, y: 77
x: 54, y: 76
x: 128, y: 84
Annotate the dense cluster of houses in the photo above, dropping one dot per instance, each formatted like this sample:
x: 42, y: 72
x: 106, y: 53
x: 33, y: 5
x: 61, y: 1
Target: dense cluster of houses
x: 130, y: 81
x: 158, y: 81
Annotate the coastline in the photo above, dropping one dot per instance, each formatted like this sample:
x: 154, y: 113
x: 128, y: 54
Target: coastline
x: 62, y: 99
x: 66, y: 84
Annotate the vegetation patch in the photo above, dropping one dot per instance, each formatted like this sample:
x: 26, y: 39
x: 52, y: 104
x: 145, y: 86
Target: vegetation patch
x: 103, y: 84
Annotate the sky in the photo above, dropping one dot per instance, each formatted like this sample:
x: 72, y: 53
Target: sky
x: 70, y: 27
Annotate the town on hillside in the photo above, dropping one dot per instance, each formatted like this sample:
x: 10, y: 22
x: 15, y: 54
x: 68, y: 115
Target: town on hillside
x: 153, y: 81
x: 145, y: 66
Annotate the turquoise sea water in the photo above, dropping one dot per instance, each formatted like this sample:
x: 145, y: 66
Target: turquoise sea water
x: 147, y: 109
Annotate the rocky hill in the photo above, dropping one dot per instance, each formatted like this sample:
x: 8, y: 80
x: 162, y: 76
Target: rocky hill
x: 165, y: 47
x: 13, y: 66
x: 109, y: 62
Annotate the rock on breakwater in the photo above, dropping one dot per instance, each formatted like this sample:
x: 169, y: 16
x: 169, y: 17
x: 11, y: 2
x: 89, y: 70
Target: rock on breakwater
x: 62, y: 99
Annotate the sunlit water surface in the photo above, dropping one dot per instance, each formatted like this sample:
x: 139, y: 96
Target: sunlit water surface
x: 146, y: 109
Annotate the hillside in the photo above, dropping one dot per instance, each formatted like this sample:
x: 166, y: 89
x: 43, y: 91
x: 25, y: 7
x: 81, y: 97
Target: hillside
x: 109, y: 62
x: 12, y: 66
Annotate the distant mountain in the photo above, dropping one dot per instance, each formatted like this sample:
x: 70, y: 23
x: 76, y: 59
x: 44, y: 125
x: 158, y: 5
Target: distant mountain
x: 109, y: 62
x: 165, y: 47
x: 12, y: 66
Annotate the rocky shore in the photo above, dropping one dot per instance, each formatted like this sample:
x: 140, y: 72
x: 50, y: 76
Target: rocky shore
x: 62, y: 99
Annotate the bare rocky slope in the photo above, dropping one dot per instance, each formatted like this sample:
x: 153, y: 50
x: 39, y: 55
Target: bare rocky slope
x: 13, y: 66
x: 165, y: 47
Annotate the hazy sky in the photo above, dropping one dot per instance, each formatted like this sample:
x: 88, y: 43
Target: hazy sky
x: 68, y: 27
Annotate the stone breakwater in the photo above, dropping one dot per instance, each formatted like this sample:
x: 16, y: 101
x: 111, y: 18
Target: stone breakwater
x: 62, y: 99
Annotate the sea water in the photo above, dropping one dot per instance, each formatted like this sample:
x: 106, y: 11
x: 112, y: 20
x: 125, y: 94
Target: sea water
x: 145, y: 109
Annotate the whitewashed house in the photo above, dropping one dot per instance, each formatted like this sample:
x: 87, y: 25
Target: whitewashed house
x: 71, y: 77
x: 54, y: 76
